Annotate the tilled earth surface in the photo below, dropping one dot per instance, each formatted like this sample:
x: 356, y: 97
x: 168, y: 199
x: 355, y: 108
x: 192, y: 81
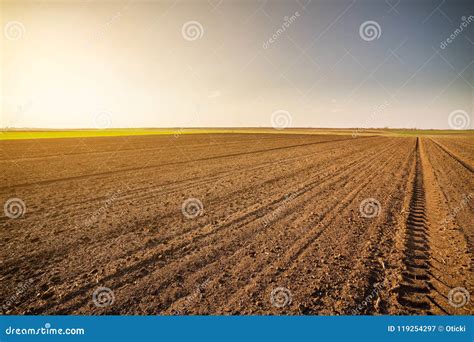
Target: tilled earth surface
x: 237, y: 224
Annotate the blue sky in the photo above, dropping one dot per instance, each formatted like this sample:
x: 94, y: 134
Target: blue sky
x: 236, y: 63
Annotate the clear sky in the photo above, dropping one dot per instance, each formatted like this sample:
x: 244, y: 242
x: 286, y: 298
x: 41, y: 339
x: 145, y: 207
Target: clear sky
x: 200, y: 63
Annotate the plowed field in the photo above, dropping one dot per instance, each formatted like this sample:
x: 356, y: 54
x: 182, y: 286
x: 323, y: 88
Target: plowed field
x: 237, y: 224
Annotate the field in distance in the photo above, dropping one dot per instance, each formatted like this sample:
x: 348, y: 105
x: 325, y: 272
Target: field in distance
x: 17, y: 134
x: 326, y: 222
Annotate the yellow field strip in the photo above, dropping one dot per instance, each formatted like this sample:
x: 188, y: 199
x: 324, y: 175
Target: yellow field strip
x: 54, y: 134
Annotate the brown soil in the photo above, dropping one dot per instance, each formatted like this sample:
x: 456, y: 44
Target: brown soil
x: 279, y: 211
